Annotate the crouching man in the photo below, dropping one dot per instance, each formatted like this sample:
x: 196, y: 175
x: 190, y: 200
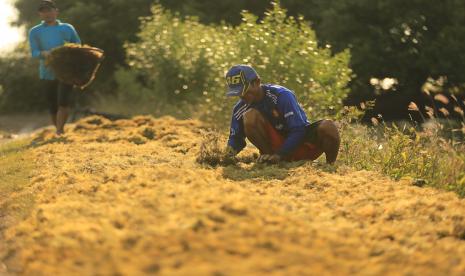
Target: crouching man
x: 270, y: 117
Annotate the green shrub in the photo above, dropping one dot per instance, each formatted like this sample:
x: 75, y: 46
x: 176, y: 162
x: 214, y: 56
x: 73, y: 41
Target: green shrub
x: 20, y: 87
x: 182, y: 60
x: 134, y: 98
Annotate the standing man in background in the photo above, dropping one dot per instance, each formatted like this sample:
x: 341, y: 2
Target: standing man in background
x: 52, y: 33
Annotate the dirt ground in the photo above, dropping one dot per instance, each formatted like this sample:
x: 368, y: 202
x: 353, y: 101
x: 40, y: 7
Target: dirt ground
x: 129, y: 198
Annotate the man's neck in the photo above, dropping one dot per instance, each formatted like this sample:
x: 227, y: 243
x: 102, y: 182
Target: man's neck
x: 51, y: 23
x: 261, y: 93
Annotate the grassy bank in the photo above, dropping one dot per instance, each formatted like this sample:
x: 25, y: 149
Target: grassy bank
x: 16, y: 166
x: 424, y: 156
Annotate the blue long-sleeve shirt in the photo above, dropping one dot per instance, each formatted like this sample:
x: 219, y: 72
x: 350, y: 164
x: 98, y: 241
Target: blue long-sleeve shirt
x: 281, y: 109
x: 44, y: 37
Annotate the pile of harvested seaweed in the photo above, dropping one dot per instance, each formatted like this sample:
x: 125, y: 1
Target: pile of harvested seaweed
x: 75, y: 64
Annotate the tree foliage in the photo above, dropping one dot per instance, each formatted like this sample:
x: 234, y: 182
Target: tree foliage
x: 407, y: 40
x: 105, y: 24
x: 20, y: 89
x: 410, y: 41
x: 182, y: 59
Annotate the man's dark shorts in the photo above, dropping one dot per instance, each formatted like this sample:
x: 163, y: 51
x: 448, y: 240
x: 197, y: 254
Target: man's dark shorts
x: 311, y: 135
x: 58, y: 94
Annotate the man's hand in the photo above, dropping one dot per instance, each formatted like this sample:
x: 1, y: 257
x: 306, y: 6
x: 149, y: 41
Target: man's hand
x: 269, y: 158
x: 230, y: 152
x: 229, y: 156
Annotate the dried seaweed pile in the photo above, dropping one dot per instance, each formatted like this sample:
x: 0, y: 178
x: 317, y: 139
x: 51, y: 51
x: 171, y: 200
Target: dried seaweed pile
x: 75, y: 64
x: 128, y: 197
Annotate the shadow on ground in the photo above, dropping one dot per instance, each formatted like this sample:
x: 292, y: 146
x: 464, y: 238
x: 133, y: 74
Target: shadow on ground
x: 240, y: 171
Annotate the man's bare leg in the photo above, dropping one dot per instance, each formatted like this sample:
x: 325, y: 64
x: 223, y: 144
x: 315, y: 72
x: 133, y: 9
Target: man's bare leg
x: 329, y: 140
x: 62, y: 117
x: 53, y: 116
x: 255, y: 131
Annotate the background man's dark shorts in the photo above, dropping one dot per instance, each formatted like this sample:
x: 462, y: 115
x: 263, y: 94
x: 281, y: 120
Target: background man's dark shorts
x: 58, y: 94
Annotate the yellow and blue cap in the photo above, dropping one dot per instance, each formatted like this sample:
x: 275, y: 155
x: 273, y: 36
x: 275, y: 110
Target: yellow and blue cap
x: 239, y: 78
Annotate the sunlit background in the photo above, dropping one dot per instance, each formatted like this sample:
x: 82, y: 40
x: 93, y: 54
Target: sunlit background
x: 10, y: 36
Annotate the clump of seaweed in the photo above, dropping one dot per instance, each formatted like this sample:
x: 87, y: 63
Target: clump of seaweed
x: 75, y: 64
x: 212, y: 153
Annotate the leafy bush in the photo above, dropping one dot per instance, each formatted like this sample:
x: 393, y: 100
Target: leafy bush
x: 21, y: 89
x: 134, y: 98
x: 182, y: 60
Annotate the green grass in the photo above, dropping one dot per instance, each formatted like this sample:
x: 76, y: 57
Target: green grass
x: 426, y: 157
x: 16, y: 167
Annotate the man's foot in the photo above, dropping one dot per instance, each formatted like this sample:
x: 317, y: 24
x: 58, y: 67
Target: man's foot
x: 269, y: 158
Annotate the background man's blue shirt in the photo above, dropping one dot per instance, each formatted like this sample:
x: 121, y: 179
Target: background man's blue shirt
x: 44, y: 38
x: 281, y: 109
